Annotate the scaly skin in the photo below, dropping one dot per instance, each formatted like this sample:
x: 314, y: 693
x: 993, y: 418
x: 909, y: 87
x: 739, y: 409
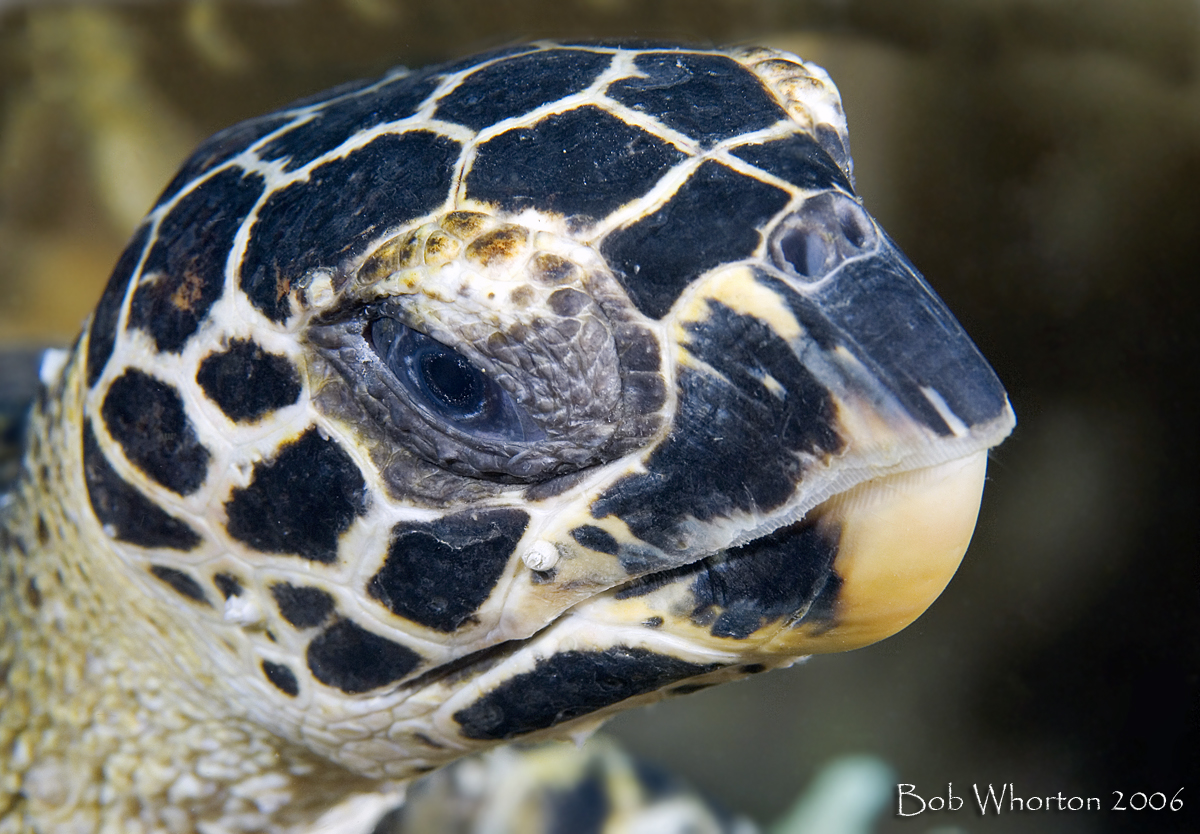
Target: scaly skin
x: 108, y: 720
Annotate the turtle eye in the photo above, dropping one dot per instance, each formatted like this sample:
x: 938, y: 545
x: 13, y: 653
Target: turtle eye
x: 446, y: 384
x: 451, y: 380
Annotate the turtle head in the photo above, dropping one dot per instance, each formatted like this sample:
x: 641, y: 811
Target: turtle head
x: 500, y: 415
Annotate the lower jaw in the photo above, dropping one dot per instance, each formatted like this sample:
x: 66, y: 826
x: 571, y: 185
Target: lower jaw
x: 902, y: 538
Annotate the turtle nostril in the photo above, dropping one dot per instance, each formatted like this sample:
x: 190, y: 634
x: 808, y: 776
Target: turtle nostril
x: 830, y: 228
x: 806, y: 251
x: 855, y: 225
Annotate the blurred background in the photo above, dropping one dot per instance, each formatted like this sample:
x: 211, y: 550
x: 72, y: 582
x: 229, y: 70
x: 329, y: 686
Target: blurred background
x: 1038, y: 160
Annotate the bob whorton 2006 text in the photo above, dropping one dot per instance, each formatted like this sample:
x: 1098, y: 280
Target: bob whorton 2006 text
x: 990, y: 799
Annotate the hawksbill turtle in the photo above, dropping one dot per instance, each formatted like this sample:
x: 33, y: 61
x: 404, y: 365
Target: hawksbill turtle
x: 466, y: 405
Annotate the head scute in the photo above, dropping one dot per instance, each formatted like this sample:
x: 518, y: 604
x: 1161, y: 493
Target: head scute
x: 810, y: 97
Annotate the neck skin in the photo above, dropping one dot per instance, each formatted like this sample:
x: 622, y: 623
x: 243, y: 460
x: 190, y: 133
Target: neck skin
x: 97, y: 729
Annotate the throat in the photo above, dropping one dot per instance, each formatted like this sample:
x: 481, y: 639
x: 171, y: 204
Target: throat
x: 98, y: 731
x: 117, y: 749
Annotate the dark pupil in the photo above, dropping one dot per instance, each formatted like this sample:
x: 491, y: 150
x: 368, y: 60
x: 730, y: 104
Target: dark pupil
x: 451, y: 379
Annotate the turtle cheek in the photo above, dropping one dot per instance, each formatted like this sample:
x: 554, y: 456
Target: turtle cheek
x: 751, y: 419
